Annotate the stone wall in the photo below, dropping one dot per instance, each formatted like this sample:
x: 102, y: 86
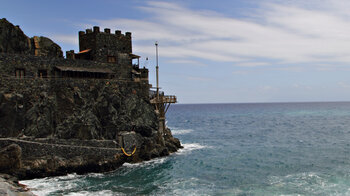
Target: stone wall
x: 10, y: 62
x: 103, y: 44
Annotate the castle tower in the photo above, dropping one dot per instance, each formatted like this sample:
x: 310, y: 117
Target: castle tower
x: 105, y: 46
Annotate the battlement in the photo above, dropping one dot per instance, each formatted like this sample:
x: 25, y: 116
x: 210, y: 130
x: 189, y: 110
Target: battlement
x: 96, y: 30
x: 104, y: 46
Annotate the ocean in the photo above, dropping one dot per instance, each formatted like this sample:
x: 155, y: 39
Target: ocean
x: 234, y: 149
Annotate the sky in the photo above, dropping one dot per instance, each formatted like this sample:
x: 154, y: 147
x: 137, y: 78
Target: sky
x: 227, y: 51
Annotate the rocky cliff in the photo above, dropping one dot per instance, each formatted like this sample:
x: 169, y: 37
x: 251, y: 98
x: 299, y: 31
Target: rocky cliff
x: 13, y: 40
x: 94, y: 109
x: 64, y: 126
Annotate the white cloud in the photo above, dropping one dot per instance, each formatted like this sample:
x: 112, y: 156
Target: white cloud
x: 302, y: 86
x: 267, y: 88
x: 280, y: 32
x: 187, y: 62
x: 199, y: 79
x: 240, y: 72
x: 344, y: 85
x: 252, y: 64
x: 66, y: 39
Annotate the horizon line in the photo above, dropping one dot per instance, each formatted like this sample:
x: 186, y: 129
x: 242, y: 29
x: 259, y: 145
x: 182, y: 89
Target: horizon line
x: 286, y: 102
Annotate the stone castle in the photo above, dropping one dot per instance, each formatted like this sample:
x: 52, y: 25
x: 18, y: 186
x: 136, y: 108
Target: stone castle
x: 102, y: 55
x: 73, y: 114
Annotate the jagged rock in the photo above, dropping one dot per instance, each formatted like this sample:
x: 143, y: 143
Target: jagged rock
x: 82, y: 125
x: 10, y: 158
x: 9, y: 186
x: 44, y: 46
x: 12, y: 39
x: 11, y: 115
x: 171, y: 142
x: 39, y: 118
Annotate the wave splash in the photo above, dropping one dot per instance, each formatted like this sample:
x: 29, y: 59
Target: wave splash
x: 181, y: 131
x: 49, y: 185
x: 88, y: 193
x: 187, y: 148
x: 71, y: 184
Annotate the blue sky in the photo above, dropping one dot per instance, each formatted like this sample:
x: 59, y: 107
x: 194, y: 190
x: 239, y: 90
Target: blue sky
x: 227, y: 51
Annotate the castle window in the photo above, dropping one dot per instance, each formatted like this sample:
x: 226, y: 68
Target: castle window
x: 19, y: 73
x: 42, y: 73
x: 111, y: 59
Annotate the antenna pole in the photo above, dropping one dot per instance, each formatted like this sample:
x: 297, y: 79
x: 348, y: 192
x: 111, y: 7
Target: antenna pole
x: 157, y: 67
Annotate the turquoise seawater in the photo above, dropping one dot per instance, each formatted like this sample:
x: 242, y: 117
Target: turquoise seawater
x: 235, y: 149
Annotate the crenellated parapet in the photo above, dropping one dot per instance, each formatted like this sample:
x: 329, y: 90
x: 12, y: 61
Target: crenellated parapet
x: 105, y: 46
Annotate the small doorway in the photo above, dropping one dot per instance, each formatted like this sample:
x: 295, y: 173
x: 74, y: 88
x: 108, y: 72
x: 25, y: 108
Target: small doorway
x: 42, y: 73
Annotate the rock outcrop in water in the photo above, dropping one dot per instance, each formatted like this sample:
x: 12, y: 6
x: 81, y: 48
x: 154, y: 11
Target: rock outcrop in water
x: 59, y: 116
x: 9, y: 186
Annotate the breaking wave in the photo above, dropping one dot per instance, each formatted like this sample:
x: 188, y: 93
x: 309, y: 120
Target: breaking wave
x: 181, y: 131
x: 155, y: 161
x: 187, y: 148
x: 49, y: 185
x: 97, y: 193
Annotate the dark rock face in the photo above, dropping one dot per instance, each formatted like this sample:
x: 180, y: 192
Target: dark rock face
x: 11, y: 114
x: 44, y: 46
x: 57, y: 121
x: 82, y: 109
x: 9, y: 186
x: 10, y: 158
x: 13, y: 40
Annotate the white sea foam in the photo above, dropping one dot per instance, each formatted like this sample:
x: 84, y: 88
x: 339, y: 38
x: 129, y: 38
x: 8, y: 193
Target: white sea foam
x: 187, y: 186
x: 96, y: 193
x: 181, y: 131
x: 45, y: 186
x: 311, y: 183
x: 96, y: 175
x: 155, y: 161
x: 187, y: 148
x: 52, y: 185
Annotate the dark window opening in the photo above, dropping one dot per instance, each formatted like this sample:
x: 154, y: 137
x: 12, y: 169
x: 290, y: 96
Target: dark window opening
x: 111, y: 59
x: 42, y: 73
x: 20, y: 73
